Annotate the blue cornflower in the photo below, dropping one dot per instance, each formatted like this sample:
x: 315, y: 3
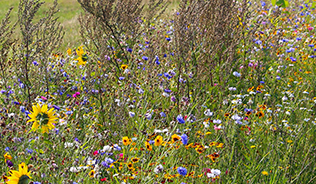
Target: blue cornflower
x: 184, y: 139
x: 180, y: 119
x: 145, y: 58
x: 35, y: 63
x: 129, y: 50
x: 293, y: 59
x: 259, y: 42
x: 167, y: 90
x: 30, y: 151
x: 157, y: 60
x: 56, y: 107
x: 182, y: 171
x: 162, y: 114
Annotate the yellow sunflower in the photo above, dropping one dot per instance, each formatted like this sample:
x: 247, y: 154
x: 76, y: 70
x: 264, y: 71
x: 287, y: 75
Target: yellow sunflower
x: 19, y: 177
x: 42, y: 118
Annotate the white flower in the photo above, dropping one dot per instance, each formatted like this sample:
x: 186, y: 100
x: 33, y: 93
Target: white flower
x: 210, y: 175
x: 232, y: 89
x: 165, y: 94
x: 236, y: 74
x: 236, y: 117
x: 208, y: 112
x: 216, y: 171
x: 284, y: 98
x: 267, y: 94
x: 217, y: 121
x: 158, y: 169
x: 141, y: 91
x: 148, y: 116
x: 62, y: 122
x: 206, y: 124
x: 107, y: 148
x: 74, y: 169
x: 68, y: 144
x: 131, y: 114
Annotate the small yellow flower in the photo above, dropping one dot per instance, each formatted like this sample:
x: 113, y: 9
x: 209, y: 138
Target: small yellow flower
x: 148, y: 146
x: 124, y: 67
x: 126, y: 140
x: 91, y: 174
x: 134, y: 159
x: 175, y: 138
x: 7, y: 156
x: 265, y: 173
x: 69, y: 51
x: 158, y: 140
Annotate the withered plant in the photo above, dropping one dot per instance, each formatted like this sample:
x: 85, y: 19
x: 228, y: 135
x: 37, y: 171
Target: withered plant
x: 6, y: 42
x: 39, y: 40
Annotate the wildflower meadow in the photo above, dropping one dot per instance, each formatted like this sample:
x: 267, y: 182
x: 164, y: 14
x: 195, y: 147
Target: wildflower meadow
x: 157, y: 91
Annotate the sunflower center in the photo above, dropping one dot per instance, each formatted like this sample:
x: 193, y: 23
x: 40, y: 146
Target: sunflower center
x: 42, y: 118
x: 23, y: 179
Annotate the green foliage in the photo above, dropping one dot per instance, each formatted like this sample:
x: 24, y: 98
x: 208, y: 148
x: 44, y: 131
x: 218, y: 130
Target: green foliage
x: 282, y: 3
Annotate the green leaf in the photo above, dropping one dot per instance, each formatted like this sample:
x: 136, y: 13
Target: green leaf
x: 273, y: 2
x: 283, y: 3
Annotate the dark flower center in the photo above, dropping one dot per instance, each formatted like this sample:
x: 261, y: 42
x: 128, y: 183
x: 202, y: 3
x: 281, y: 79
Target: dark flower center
x: 23, y: 179
x: 42, y: 118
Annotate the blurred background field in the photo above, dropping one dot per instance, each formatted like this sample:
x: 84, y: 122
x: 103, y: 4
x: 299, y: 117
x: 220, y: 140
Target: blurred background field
x: 68, y: 17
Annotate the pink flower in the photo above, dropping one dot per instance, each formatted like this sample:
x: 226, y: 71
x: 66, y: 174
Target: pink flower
x: 44, y: 98
x: 76, y: 94
x: 217, y: 127
x: 95, y: 152
x: 121, y: 155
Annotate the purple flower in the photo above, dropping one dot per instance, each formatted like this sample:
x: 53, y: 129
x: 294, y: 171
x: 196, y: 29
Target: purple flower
x: 9, y: 163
